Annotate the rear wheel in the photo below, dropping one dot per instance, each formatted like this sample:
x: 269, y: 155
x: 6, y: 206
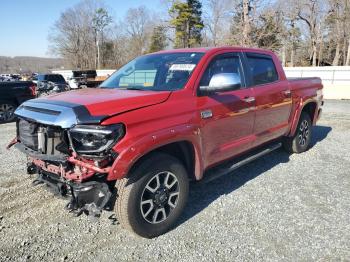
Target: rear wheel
x: 7, y: 110
x: 153, y: 197
x: 301, y: 140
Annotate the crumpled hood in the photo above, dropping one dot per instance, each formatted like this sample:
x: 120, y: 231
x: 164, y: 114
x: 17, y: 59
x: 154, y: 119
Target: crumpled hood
x: 108, y: 102
x: 87, y: 106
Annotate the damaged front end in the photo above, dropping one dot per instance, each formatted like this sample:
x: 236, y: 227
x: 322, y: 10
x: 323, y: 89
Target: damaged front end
x: 89, y: 197
x: 73, y: 162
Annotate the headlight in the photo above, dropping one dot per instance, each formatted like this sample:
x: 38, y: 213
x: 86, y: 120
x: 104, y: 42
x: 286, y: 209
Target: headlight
x: 95, y: 139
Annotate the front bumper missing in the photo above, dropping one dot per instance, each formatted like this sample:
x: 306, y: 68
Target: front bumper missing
x: 70, y: 176
x: 89, y: 198
x: 85, y: 169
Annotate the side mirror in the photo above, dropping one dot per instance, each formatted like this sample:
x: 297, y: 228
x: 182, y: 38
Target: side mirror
x: 223, y: 82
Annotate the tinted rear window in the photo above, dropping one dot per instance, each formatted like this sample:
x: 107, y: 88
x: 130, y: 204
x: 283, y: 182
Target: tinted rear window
x: 52, y: 78
x: 262, y: 68
x: 55, y: 78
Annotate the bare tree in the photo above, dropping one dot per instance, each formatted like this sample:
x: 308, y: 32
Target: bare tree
x: 138, y: 27
x: 100, y: 21
x: 246, y: 21
x: 72, y: 36
x: 309, y: 11
x: 302, y: 32
x: 215, y: 17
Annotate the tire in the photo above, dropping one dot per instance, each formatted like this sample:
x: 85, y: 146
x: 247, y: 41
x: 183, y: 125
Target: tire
x: 7, y: 110
x: 151, y: 199
x: 301, y: 140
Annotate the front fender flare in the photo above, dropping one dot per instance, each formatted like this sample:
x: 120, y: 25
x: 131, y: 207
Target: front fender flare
x: 131, y: 153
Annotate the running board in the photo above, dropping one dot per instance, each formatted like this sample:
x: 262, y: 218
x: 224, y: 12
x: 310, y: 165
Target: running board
x: 225, y: 169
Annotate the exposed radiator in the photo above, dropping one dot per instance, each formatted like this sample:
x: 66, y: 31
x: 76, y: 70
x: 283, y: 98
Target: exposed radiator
x: 43, y: 139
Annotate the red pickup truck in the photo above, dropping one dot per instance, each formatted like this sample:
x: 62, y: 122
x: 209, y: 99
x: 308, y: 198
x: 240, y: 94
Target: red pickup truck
x: 162, y: 120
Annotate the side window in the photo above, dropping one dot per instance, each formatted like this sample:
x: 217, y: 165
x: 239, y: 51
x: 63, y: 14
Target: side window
x: 262, y: 68
x: 222, y: 64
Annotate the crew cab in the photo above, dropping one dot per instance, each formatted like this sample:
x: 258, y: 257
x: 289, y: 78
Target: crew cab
x: 162, y: 120
x: 12, y: 94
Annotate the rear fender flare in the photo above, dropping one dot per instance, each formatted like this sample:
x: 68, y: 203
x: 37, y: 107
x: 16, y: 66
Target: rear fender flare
x: 296, y: 117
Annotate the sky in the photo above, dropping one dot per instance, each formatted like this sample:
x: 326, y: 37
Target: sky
x: 25, y: 24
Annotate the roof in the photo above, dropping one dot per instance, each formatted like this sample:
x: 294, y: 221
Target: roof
x: 48, y: 74
x: 212, y: 49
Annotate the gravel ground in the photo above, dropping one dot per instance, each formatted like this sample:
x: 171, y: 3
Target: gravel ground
x: 280, y: 207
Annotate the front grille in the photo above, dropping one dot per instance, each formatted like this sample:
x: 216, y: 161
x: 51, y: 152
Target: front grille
x: 48, y: 140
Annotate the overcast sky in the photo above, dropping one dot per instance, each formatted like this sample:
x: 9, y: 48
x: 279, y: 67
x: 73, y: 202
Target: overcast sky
x: 24, y: 24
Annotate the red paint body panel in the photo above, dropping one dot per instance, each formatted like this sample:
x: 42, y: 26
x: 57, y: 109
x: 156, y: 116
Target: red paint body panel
x: 111, y: 101
x: 272, y: 111
x: 154, y: 119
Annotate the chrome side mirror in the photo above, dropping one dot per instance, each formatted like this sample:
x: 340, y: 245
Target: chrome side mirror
x: 223, y: 82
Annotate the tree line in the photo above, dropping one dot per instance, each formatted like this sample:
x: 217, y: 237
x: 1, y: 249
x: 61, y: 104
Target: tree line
x: 301, y: 32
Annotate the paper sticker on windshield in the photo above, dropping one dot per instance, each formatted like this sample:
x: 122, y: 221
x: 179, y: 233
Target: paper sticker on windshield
x: 182, y: 67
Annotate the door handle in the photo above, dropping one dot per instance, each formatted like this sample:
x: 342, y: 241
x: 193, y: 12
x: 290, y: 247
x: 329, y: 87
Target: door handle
x: 249, y: 99
x: 206, y: 114
x: 287, y: 93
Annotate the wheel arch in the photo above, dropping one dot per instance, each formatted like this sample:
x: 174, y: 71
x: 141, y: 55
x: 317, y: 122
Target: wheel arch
x: 183, y: 150
x: 12, y: 100
x: 310, y: 107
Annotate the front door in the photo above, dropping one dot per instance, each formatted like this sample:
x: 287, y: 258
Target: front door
x: 227, y: 118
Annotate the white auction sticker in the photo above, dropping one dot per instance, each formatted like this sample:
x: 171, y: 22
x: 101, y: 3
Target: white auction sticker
x: 182, y: 67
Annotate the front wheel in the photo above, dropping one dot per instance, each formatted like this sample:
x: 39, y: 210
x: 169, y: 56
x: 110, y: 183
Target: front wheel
x: 301, y: 140
x: 153, y: 197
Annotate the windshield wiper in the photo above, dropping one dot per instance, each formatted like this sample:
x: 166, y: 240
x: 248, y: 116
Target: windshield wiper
x: 133, y: 88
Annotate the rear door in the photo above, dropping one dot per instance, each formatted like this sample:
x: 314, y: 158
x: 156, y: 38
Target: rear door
x: 227, y: 118
x: 272, y: 97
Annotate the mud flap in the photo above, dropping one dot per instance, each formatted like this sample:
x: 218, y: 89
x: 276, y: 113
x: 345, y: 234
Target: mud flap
x: 89, y: 198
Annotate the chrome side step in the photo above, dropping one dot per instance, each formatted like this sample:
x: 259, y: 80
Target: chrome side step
x: 222, y: 170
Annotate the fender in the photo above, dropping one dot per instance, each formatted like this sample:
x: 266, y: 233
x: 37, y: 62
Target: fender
x: 299, y: 108
x: 132, y: 152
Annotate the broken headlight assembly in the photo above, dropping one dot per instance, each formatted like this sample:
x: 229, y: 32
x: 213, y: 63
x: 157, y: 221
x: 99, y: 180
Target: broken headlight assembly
x: 95, y: 140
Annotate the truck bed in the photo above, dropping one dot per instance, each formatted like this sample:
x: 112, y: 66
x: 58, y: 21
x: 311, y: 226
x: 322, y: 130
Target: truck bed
x: 305, y: 83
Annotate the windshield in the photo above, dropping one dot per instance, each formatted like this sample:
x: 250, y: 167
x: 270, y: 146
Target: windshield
x: 157, y: 72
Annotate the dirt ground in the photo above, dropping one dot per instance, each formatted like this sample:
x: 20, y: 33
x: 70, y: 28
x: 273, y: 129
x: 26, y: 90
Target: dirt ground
x: 281, y: 207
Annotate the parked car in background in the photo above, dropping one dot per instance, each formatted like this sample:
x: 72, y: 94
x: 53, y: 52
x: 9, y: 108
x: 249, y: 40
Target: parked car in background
x: 160, y: 121
x: 34, y: 78
x: 12, y: 94
x: 10, y: 77
x: 5, y: 77
x: 51, y: 83
x: 84, y: 79
x: 16, y: 77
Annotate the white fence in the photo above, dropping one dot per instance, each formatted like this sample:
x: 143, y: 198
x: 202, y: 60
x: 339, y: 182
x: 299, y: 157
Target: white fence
x: 328, y: 74
x: 336, y: 79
